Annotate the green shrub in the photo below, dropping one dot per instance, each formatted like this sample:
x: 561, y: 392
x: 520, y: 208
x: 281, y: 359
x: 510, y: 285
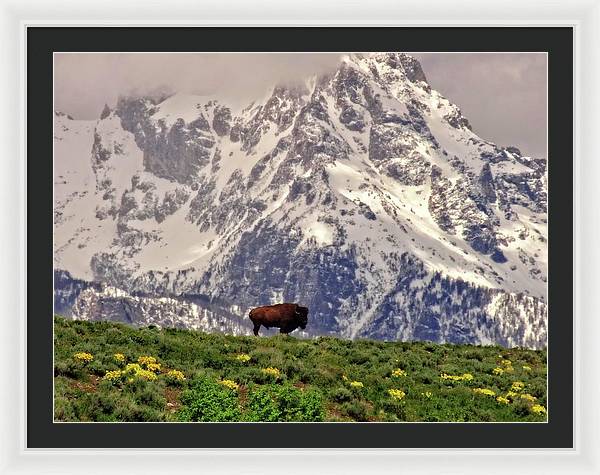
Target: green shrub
x: 98, y: 368
x: 208, y: 400
x: 357, y: 410
x: 311, y: 406
x: 262, y: 406
x: 341, y: 394
x: 359, y: 357
x: 146, y: 393
x: 115, y: 336
x: 69, y: 368
x: 98, y: 407
x: 63, y: 409
x: 273, y: 403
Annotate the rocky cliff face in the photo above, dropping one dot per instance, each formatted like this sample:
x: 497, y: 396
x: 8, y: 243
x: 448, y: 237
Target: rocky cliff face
x: 364, y: 194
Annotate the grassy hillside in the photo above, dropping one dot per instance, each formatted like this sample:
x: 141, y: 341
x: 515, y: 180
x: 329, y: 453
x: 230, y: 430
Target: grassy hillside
x: 111, y: 372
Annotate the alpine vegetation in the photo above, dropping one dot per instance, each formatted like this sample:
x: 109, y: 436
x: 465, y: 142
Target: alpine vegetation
x: 165, y: 374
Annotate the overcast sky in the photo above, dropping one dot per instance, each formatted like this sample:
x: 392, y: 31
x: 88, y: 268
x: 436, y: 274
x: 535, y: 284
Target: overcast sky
x: 502, y: 95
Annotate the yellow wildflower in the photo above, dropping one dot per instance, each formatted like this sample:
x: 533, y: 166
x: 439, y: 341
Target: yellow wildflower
x: 344, y: 377
x: 139, y: 372
x: 498, y: 371
x: 506, y: 362
x: 120, y: 357
x: 396, y: 394
x: 526, y: 367
x: 176, y: 375
x: 427, y: 394
x: 145, y: 374
x: 398, y: 373
x: 146, y: 360
x: 537, y: 409
x: 272, y: 372
x: 153, y: 367
x: 517, y: 386
x: 243, y: 357
x: 356, y: 384
x: 502, y: 400
x: 486, y: 392
x: 512, y: 394
x: 82, y: 356
x: 462, y: 377
x: 228, y: 383
x: 132, y: 368
x: 528, y: 397
x: 113, y: 375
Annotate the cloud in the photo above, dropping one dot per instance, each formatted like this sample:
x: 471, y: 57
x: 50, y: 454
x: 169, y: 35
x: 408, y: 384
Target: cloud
x: 84, y: 82
x: 502, y: 95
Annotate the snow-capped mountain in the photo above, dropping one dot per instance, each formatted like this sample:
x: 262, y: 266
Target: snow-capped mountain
x: 363, y: 194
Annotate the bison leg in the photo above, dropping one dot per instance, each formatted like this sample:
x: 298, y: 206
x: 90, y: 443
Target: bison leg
x: 287, y: 329
x: 256, y: 328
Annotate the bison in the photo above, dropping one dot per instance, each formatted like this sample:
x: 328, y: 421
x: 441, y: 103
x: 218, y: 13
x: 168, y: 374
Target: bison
x: 285, y: 316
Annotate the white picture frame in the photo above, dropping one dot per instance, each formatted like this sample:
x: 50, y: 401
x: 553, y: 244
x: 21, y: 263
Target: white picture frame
x: 583, y: 15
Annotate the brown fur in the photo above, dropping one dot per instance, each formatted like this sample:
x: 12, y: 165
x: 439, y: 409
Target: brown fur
x: 285, y: 316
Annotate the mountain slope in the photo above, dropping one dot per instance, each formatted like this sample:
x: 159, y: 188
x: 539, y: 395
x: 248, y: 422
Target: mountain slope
x: 362, y: 193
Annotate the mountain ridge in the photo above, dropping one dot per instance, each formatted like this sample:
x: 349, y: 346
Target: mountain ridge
x: 347, y: 194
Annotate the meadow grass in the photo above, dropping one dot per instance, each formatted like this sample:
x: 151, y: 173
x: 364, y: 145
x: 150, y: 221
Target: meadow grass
x: 152, y: 374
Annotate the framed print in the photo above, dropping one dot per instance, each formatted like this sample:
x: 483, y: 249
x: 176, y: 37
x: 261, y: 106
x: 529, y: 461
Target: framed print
x: 302, y: 240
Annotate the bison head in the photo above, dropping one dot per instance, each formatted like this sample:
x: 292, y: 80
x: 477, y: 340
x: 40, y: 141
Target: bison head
x: 302, y: 316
